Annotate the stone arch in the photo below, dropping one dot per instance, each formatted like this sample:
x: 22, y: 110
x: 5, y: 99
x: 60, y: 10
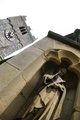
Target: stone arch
x: 71, y: 58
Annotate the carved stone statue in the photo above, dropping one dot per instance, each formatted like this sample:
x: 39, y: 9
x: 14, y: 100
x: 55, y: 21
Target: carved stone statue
x: 48, y: 103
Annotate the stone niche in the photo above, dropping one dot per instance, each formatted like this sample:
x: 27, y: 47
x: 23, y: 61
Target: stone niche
x: 33, y: 75
x: 71, y: 63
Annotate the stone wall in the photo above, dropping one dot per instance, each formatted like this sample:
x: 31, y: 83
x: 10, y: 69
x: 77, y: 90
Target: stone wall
x: 17, y: 73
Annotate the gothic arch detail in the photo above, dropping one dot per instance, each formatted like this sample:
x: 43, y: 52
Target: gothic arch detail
x: 58, y: 55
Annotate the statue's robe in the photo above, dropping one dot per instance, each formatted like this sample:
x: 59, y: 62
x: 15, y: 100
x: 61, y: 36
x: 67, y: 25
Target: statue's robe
x: 48, y: 103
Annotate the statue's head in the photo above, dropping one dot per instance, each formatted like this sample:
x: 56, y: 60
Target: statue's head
x: 62, y: 71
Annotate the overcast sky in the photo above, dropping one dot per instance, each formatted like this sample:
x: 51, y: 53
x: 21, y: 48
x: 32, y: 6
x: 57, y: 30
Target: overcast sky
x: 61, y: 16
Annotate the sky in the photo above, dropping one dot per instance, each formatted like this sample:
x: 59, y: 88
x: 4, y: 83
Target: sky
x: 60, y: 16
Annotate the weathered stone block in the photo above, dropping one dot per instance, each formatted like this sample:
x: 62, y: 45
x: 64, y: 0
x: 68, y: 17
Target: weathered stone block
x: 27, y: 91
x: 13, y: 108
x: 25, y: 58
x: 10, y: 93
x: 45, y: 44
x: 7, y: 73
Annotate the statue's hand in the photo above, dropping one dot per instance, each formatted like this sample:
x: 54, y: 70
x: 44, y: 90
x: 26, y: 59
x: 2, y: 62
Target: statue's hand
x: 47, y: 76
x: 62, y: 87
